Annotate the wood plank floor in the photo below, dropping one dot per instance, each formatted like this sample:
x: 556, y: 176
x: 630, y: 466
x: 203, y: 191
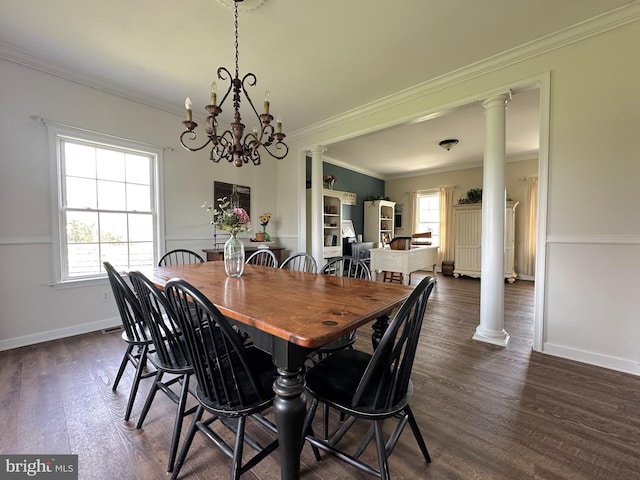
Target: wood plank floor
x: 485, y: 412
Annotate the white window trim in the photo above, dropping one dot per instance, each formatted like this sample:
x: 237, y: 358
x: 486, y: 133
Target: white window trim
x: 55, y: 132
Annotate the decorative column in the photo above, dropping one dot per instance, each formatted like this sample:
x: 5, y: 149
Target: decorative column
x: 491, y: 328
x: 317, y: 235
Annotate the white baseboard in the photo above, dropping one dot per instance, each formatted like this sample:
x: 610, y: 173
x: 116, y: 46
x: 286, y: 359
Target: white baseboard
x: 8, y: 344
x: 597, y: 359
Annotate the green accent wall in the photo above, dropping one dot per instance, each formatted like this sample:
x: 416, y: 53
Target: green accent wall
x: 362, y: 185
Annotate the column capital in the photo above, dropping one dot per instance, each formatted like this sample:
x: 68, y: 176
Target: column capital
x: 317, y: 150
x: 497, y: 100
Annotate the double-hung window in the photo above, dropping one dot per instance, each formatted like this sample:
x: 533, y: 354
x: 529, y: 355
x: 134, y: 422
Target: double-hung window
x: 107, y: 204
x: 428, y: 215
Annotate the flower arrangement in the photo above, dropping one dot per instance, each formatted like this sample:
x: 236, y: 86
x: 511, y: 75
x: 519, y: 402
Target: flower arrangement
x: 329, y: 180
x: 233, y: 220
x: 264, y: 220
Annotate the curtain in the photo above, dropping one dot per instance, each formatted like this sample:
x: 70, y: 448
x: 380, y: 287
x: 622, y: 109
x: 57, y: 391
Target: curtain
x: 414, y: 212
x: 529, y: 267
x: 447, y: 245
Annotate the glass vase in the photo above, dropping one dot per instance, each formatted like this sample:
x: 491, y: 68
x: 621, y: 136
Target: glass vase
x: 234, y: 256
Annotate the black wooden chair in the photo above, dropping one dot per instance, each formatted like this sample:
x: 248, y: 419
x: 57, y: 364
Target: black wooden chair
x: 347, y: 266
x: 135, y: 334
x: 264, y: 257
x: 234, y: 380
x: 170, y: 356
x: 372, y: 387
x: 301, y: 262
x: 343, y: 267
x: 180, y: 256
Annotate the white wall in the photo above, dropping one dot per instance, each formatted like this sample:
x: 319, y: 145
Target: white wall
x: 592, y: 246
x: 30, y: 309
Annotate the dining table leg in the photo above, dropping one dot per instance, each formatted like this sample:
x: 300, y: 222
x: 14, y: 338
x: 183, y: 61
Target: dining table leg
x: 378, y: 328
x: 290, y: 406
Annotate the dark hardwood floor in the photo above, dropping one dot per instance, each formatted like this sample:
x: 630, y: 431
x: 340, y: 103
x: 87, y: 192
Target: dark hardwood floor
x: 485, y: 412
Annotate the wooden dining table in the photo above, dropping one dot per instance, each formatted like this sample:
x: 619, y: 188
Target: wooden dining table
x: 288, y: 314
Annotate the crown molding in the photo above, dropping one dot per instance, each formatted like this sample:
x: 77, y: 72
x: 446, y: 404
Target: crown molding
x: 613, y: 19
x: 595, y: 26
x: 347, y: 166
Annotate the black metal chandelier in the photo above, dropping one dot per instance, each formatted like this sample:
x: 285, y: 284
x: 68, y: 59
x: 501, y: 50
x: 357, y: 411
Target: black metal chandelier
x: 232, y: 144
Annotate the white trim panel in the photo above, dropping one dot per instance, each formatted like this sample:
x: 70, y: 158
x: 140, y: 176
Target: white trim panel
x: 597, y: 359
x: 56, y: 334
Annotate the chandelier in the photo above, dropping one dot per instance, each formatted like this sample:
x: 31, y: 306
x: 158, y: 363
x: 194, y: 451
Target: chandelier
x: 232, y: 144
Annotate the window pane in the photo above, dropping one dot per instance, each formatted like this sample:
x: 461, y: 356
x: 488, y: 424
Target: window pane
x: 81, y: 227
x: 141, y: 254
x: 80, y: 193
x: 117, y: 254
x: 140, y: 227
x: 110, y: 164
x: 138, y: 198
x: 84, y: 259
x: 113, y: 227
x: 138, y: 169
x: 111, y: 195
x: 79, y: 160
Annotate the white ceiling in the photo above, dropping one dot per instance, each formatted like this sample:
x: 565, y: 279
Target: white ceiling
x: 318, y: 58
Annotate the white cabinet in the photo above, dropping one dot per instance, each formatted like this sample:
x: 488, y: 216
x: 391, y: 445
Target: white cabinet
x: 378, y: 221
x: 331, y: 222
x: 468, y: 240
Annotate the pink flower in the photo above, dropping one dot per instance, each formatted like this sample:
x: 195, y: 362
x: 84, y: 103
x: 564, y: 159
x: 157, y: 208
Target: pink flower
x: 242, y: 215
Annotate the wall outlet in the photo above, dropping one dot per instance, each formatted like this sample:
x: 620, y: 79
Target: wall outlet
x: 106, y: 296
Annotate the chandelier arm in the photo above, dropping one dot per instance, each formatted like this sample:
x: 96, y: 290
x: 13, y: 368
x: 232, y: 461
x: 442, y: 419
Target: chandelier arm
x: 279, y: 145
x: 223, y: 148
x: 192, y: 136
x: 221, y: 76
x: 251, y: 80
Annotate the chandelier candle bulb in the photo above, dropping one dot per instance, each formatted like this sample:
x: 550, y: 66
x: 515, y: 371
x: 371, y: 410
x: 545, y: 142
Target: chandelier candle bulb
x: 187, y: 106
x: 279, y: 122
x: 267, y: 100
x: 214, y: 93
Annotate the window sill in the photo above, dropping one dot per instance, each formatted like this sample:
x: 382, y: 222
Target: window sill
x: 80, y: 283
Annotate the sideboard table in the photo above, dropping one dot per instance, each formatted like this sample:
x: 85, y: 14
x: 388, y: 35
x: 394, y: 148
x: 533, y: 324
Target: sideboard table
x: 214, y: 254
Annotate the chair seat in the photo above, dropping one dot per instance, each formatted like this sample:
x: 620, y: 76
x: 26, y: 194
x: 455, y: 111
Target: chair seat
x: 334, y: 380
x: 177, y: 364
x: 266, y: 373
x: 142, y: 334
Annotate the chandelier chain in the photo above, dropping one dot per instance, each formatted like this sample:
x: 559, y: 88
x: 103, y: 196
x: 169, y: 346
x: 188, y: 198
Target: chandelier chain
x: 236, y: 44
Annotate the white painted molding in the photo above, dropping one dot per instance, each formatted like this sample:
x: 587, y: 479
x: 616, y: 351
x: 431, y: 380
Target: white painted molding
x: 629, y: 239
x: 339, y: 163
x: 188, y: 238
x: 30, y: 240
x: 9, y: 343
x: 592, y: 358
x: 197, y: 238
x: 581, y: 31
x: 616, y: 18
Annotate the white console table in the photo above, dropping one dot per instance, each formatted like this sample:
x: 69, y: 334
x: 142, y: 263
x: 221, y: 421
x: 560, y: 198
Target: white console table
x: 404, y: 261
